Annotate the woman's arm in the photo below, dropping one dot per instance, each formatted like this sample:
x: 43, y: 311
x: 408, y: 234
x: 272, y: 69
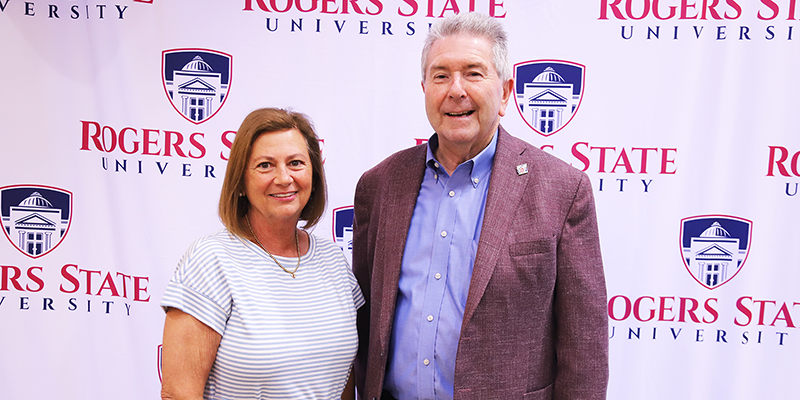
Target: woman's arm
x: 350, y: 388
x: 189, y: 350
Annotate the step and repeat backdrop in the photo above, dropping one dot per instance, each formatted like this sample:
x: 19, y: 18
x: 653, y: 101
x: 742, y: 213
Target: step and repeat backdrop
x: 117, y: 119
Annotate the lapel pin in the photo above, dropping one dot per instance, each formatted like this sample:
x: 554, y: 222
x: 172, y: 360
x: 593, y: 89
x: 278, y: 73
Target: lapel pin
x: 522, y: 169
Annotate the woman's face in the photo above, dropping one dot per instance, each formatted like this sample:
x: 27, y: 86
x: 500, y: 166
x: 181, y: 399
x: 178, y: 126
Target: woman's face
x: 278, y: 178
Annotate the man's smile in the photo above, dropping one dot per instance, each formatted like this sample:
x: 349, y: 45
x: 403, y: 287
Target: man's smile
x: 460, y: 114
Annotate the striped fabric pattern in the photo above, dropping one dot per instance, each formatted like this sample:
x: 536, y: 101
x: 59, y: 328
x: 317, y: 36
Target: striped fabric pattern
x: 282, y: 338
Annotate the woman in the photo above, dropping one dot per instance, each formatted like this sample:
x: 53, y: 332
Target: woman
x: 262, y: 309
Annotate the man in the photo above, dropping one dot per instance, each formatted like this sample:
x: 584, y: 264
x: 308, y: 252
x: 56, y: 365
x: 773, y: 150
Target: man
x: 478, y: 253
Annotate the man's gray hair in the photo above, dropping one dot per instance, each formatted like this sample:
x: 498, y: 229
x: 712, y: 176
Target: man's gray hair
x: 473, y: 24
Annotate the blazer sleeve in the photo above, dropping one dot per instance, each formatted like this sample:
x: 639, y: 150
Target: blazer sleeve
x: 580, y: 304
x: 362, y: 206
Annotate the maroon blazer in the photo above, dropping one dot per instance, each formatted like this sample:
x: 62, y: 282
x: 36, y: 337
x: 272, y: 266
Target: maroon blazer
x: 535, y: 324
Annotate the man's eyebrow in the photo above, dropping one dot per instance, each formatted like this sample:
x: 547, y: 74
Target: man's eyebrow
x: 481, y: 65
x: 477, y: 65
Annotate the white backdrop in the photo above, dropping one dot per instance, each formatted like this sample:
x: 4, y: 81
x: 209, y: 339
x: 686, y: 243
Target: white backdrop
x: 706, y: 92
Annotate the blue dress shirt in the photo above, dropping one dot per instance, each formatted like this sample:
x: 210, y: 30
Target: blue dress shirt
x: 435, y: 276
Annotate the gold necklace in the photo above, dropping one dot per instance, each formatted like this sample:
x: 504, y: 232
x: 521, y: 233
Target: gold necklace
x: 296, y: 243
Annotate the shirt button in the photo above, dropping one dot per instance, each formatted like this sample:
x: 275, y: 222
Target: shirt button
x: 476, y: 180
x: 436, y: 176
x: 438, y: 276
x: 452, y: 193
x: 444, y: 233
x: 430, y: 318
x: 436, y: 164
x: 426, y: 361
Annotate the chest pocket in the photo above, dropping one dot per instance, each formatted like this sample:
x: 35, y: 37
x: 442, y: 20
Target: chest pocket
x: 539, y: 246
x: 534, y: 263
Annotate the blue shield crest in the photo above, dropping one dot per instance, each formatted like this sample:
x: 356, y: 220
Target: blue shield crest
x: 714, y: 248
x: 35, y: 218
x: 196, y: 81
x: 548, y: 93
x: 343, y: 230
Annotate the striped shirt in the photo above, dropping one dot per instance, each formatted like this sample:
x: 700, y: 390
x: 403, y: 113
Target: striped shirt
x: 282, y: 338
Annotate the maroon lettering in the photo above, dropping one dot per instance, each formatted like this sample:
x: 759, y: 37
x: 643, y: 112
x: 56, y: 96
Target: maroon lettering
x: 85, y: 135
x: 657, y: 14
x: 711, y: 310
x: 662, y: 309
x: 100, y: 283
x: 122, y: 145
x: 689, y: 10
x: 736, y: 7
x: 626, y: 302
x: 762, y: 309
x: 12, y: 275
x: 248, y: 5
x: 666, y: 160
x: 773, y: 7
x: 645, y: 11
x: 784, y: 154
x: 5, y: 278
x: 70, y: 278
x: 139, y: 288
x: 783, y: 315
x: 108, y: 284
x: 277, y: 9
x: 636, y: 309
x: 228, y: 143
x: 298, y: 5
x: 580, y: 156
x: 153, y: 142
x: 414, y: 8
x: 493, y: 6
x: 36, y: 279
x: 197, y: 145
x: 685, y: 6
x: 326, y: 10
x: 168, y: 144
x: 622, y: 160
x: 691, y: 310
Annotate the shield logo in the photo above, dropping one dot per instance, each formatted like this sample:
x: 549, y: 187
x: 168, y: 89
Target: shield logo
x: 714, y: 248
x: 548, y: 93
x: 35, y: 218
x: 196, y: 81
x: 343, y: 230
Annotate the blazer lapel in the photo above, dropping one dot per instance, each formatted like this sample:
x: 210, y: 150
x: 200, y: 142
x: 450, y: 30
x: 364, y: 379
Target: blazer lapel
x: 401, y: 197
x: 505, y: 190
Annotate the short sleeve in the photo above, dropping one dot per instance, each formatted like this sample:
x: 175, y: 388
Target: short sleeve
x: 199, y: 286
x: 358, y: 297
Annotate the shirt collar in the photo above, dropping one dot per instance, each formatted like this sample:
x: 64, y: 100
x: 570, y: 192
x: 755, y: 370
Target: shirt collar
x: 481, y: 163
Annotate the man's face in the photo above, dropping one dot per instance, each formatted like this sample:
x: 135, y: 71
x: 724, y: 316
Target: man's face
x: 464, y: 96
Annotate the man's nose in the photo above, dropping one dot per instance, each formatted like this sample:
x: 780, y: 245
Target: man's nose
x: 457, y: 87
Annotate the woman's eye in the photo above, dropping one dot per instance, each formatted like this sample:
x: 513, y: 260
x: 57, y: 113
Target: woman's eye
x: 264, y: 165
x: 296, y: 163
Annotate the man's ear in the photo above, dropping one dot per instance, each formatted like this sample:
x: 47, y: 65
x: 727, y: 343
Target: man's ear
x: 508, y: 89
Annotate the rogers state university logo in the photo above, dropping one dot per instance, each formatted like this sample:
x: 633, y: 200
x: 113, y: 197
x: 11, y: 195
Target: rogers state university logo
x: 35, y: 218
x: 548, y: 93
x: 714, y: 248
x: 197, y: 81
x: 343, y: 230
